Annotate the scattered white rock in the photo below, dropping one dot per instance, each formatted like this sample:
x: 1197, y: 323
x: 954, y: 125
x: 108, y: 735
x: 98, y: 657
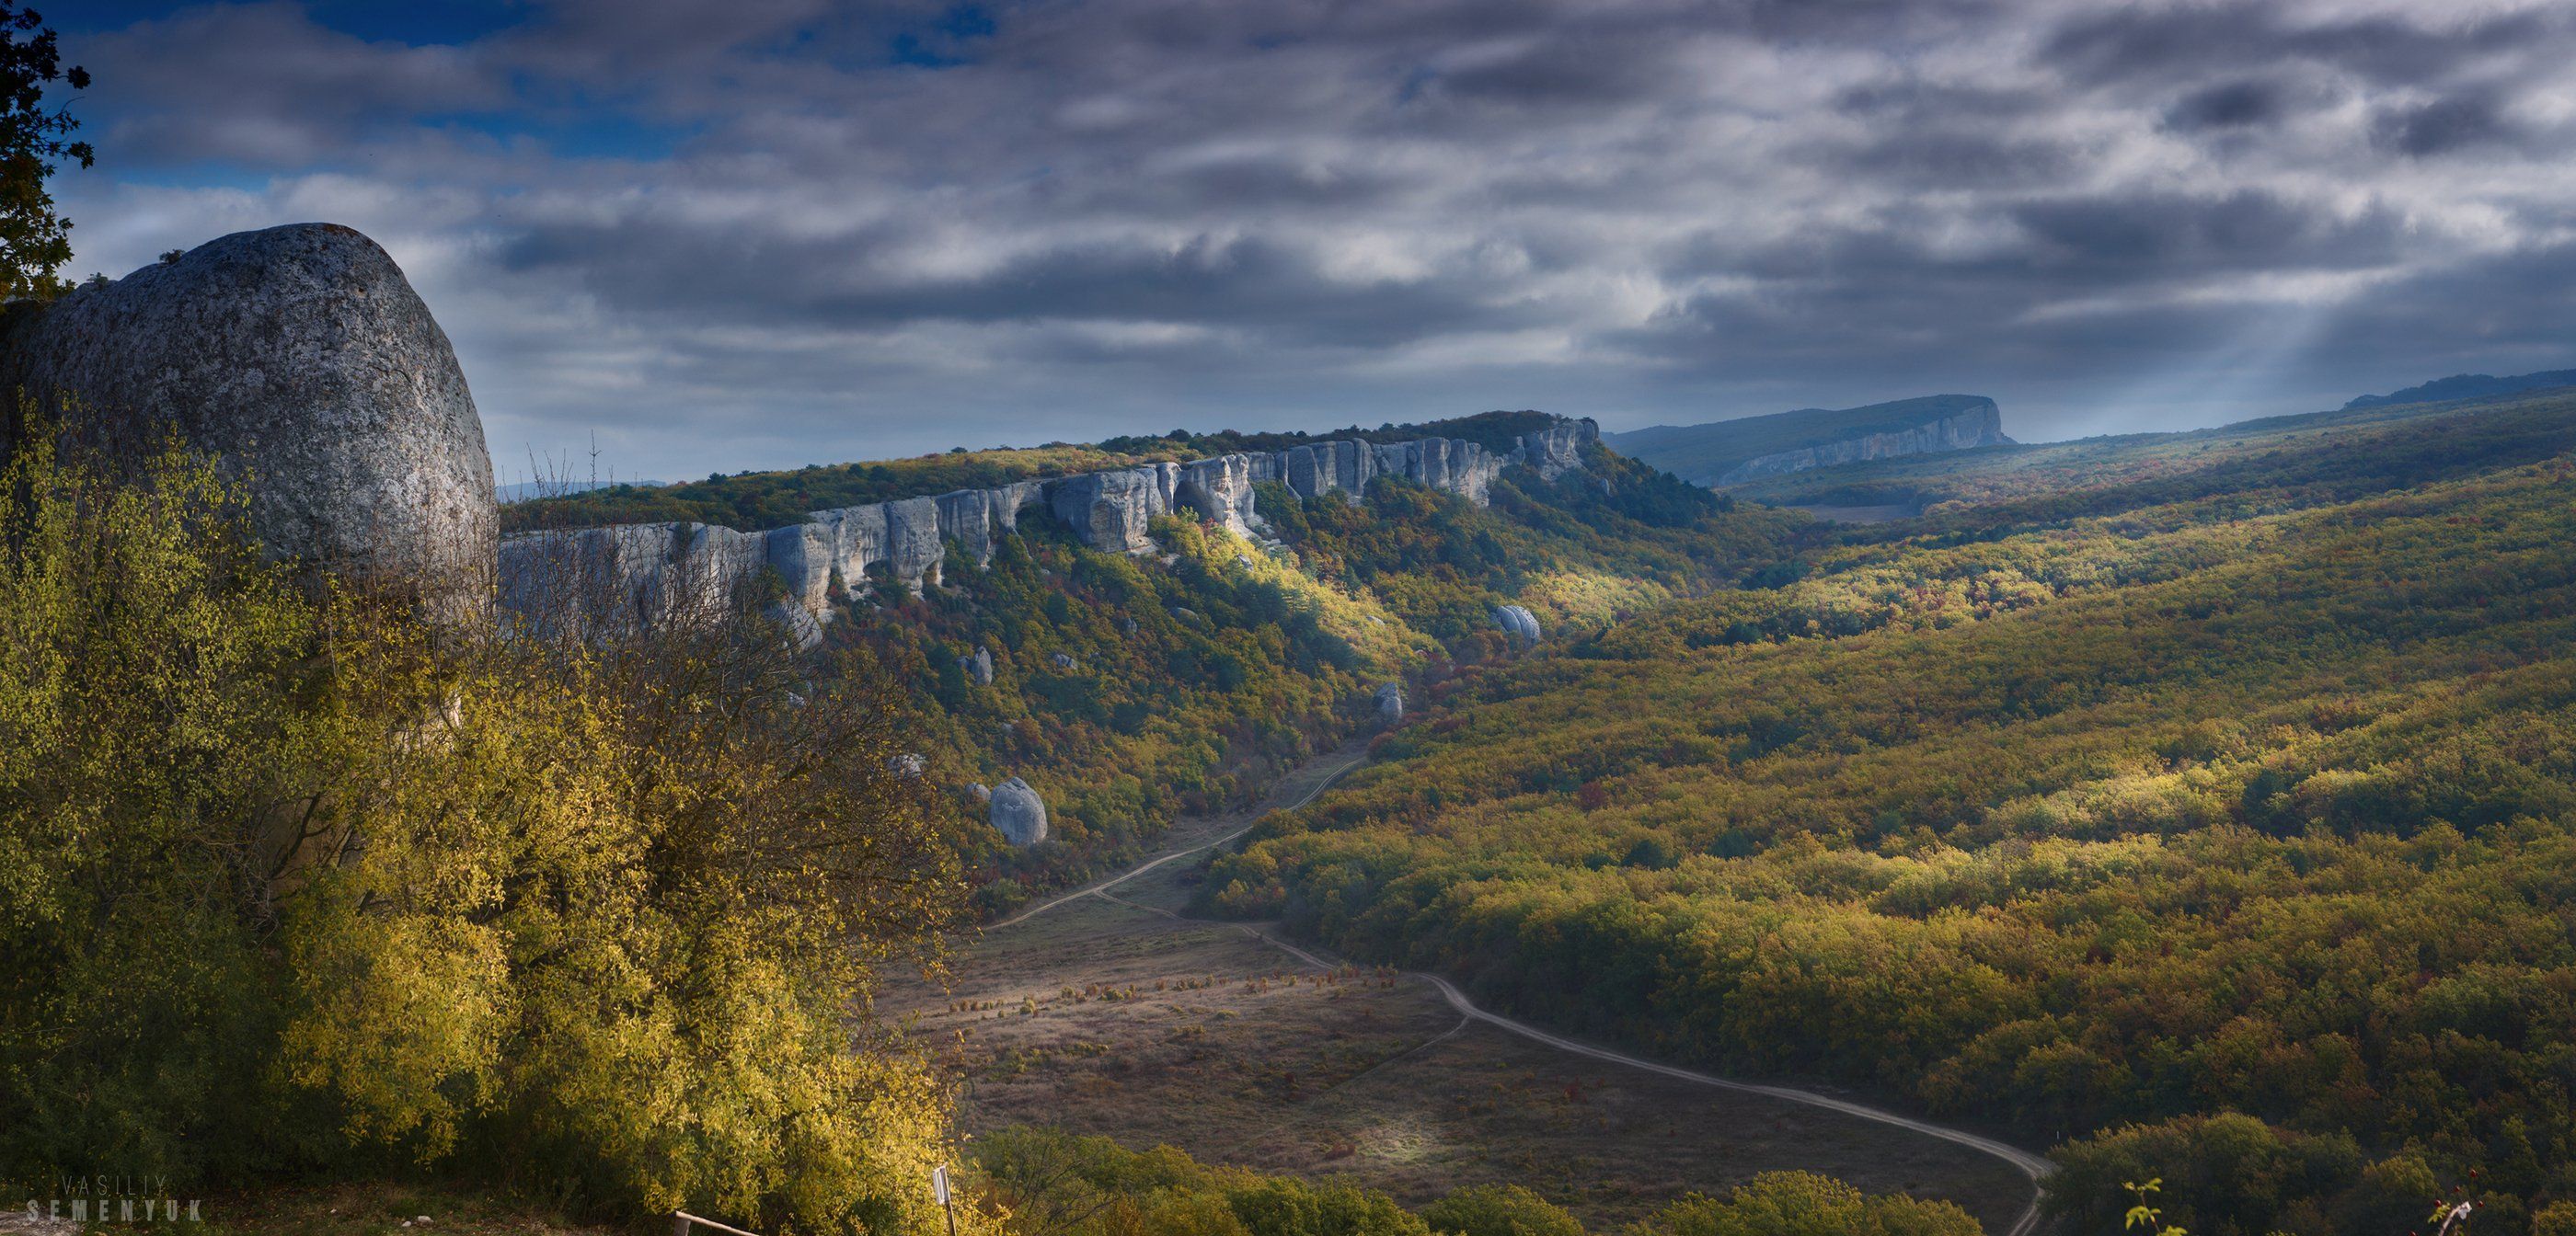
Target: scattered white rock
x: 1517, y: 622
x: 908, y: 764
x: 1390, y: 703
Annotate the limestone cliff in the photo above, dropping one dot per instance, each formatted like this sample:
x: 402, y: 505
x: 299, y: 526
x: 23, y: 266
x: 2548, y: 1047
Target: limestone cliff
x: 649, y: 574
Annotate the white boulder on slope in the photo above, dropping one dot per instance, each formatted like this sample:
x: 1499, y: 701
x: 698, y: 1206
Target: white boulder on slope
x: 1018, y: 813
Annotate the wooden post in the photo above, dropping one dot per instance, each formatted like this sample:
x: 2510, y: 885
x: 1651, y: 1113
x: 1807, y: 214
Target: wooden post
x: 681, y: 1219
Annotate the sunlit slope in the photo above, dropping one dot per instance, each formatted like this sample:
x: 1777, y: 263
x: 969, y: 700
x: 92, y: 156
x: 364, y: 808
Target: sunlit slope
x: 2262, y: 801
x: 1127, y: 690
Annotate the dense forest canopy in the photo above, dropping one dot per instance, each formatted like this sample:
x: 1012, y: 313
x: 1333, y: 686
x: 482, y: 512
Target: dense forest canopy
x: 2205, y: 807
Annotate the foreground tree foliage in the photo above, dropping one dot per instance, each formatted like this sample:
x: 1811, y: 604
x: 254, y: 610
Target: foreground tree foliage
x: 1053, y: 1183
x: 289, y: 885
x: 2228, y: 838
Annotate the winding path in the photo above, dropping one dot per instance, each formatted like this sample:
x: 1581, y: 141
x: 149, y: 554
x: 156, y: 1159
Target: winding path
x: 2028, y: 1164
x: 1102, y: 887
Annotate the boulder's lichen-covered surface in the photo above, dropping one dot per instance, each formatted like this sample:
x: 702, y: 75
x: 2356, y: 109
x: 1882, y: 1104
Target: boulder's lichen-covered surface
x: 303, y: 360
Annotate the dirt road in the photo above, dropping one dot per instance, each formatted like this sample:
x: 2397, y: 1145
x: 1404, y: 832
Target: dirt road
x: 2031, y: 1165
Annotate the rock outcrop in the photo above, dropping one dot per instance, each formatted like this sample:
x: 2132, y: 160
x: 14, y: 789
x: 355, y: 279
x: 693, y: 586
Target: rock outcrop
x: 651, y: 573
x: 1980, y: 424
x: 1018, y: 813
x: 302, y: 359
x: 1517, y: 622
x: 1390, y: 703
x: 979, y: 667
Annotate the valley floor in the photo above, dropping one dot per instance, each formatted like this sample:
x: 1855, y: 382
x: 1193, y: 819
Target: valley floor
x: 1107, y: 1017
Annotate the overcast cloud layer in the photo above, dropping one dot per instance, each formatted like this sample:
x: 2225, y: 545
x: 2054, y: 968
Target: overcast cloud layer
x: 772, y: 232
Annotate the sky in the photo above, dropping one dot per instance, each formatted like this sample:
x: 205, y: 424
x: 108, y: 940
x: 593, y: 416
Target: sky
x: 701, y: 237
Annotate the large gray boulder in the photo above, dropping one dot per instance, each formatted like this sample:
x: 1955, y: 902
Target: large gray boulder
x: 1018, y: 813
x: 1517, y: 622
x: 1390, y: 703
x: 304, y: 361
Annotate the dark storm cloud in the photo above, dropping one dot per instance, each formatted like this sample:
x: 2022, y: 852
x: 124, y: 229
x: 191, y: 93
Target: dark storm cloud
x: 2231, y: 105
x: 1242, y: 282
x: 781, y: 231
x: 2442, y: 125
x: 2166, y: 41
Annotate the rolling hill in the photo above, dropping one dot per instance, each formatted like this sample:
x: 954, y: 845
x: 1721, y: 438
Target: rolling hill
x: 2200, y: 803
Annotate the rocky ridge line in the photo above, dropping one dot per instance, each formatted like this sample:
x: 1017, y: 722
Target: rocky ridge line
x: 646, y: 574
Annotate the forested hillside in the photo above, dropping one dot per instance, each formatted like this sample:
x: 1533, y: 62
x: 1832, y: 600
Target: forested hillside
x: 2201, y: 803
x: 1127, y: 689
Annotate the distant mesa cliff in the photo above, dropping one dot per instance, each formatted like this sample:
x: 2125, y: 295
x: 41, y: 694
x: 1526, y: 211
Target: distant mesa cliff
x: 1734, y: 452
x: 642, y: 575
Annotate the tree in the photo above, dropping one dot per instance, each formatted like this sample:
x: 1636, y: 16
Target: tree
x: 592, y: 912
x: 1499, y: 1210
x: 34, y: 241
